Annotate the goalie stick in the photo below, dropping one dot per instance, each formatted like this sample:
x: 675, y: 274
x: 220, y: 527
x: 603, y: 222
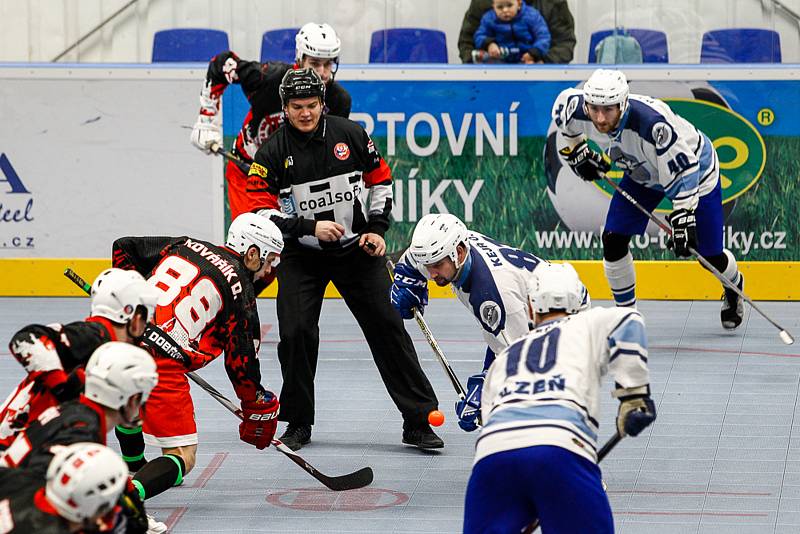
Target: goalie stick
x: 785, y: 336
x: 602, y: 453
x: 358, y: 479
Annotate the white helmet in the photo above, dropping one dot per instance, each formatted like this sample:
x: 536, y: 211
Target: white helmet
x: 606, y: 87
x: 251, y: 229
x: 555, y: 286
x: 436, y: 237
x: 116, y: 293
x: 118, y: 371
x: 317, y: 40
x: 85, y: 480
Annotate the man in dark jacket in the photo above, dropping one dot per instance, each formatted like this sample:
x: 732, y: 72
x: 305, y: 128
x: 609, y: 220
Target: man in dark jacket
x: 555, y: 12
x: 330, y: 192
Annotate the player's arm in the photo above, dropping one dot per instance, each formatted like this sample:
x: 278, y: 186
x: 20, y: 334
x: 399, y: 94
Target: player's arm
x: 260, y: 407
x: 339, y: 102
x: 680, y: 173
x: 627, y: 363
x: 571, y: 141
x: 140, y: 254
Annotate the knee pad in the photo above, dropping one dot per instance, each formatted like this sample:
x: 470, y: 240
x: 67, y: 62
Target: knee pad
x: 615, y: 246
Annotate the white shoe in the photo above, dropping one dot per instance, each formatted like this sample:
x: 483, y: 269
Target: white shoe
x: 154, y: 526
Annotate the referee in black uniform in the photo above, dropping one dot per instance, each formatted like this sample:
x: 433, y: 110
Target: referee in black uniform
x: 330, y: 193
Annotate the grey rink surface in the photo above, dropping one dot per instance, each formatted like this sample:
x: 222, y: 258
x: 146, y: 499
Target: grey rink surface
x: 723, y: 456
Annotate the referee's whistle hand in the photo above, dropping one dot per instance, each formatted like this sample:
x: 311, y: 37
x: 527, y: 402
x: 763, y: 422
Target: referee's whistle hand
x: 372, y: 244
x: 328, y: 231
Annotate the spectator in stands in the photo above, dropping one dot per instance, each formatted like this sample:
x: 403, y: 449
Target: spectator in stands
x: 555, y: 12
x: 512, y: 32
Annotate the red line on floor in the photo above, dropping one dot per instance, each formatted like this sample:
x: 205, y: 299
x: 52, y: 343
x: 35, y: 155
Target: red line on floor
x: 211, y: 468
x: 725, y: 351
x: 265, y: 328
x: 695, y: 514
x: 174, y: 516
x: 719, y: 493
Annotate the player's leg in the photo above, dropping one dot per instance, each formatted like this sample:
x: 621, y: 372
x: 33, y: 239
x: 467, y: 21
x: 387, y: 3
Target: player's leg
x: 623, y: 220
x: 498, y: 499
x: 566, y: 482
x: 168, y: 423
x: 131, y: 446
x: 710, y: 218
x: 301, y: 283
x: 364, y: 285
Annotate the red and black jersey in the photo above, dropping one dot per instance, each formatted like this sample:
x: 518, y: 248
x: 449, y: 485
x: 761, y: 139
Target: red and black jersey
x: 53, y: 380
x: 24, y: 509
x: 207, y: 303
x: 67, y: 423
x: 260, y: 82
x: 332, y: 174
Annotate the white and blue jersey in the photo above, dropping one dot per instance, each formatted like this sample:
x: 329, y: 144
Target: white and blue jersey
x: 492, y: 284
x: 655, y: 147
x: 544, y: 388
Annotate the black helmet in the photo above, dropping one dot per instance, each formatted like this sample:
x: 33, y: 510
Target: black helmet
x: 301, y: 83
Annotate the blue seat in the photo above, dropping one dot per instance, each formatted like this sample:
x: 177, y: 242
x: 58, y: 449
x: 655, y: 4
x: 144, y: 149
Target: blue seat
x: 188, y: 44
x: 279, y: 45
x: 741, y: 45
x: 653, y: 43
x: 408, y: 45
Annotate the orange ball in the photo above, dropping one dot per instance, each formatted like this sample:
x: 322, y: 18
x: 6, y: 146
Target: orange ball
x: 436, y: 418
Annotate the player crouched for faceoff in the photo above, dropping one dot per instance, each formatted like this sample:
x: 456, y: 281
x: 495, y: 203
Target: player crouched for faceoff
x: 207, y: 305
x: 536, y: 455
x: 662, y: 155
x: 53, y: 356
x: 79, y: 493
x: 489, y: 279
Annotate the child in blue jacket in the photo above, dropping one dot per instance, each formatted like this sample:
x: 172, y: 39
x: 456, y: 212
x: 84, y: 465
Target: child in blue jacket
x: 513, y: 32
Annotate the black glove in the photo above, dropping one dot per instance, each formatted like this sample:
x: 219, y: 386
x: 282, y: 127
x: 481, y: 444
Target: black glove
x: 585, y: 162
x: 684, y: 232
x: 636, y: 413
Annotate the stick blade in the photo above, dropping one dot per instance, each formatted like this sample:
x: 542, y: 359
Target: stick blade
x: 359, y: 479
x: 786, y: 337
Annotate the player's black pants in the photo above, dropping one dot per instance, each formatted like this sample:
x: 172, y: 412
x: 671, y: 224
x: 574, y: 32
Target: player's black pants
x: 364, y: 284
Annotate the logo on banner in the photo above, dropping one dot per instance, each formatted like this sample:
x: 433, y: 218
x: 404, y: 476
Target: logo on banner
x: 16, y: 208
x: 341, y: 151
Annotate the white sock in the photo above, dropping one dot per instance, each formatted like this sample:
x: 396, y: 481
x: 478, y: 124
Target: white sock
x: 731, y: 272
x: 621, y: 277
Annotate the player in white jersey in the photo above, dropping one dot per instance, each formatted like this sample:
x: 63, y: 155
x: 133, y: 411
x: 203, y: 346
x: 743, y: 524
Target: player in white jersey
x: 536, y: 456
x: 662, y: 155
x: 488, y: 277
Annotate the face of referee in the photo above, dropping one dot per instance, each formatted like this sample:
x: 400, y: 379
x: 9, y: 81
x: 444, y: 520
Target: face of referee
x: 304, y: 113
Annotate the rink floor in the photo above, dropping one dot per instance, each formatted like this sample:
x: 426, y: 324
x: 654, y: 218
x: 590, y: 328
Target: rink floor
x: 723, y: 456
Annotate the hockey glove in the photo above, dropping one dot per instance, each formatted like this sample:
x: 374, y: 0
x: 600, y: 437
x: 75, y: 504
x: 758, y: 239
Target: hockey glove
x: 409, y: 290
x: 636, y: 411
x: 132, y: 510
x: 35, y: 354
x: 585, y: 162
x: 468, y: 410
x: 206, y: 133
x: 260, y: 421
x: 684, y: 232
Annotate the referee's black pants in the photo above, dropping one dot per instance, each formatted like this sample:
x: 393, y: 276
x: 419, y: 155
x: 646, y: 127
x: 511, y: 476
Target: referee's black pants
x: 364, y: 284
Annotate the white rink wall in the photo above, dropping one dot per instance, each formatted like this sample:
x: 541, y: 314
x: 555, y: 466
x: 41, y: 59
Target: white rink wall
x: 39, y: 30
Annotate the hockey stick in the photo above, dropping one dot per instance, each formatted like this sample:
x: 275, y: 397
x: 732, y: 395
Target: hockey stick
x: 230, y: 156
x: 602, y: 453
x: 784, y: 335
x: 462, y: 394
x: 358, y: 479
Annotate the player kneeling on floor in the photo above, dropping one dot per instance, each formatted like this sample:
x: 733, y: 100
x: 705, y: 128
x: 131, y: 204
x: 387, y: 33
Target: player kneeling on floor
x: 79, y: 493
x: 536, y: 455
x: 488, y: 278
